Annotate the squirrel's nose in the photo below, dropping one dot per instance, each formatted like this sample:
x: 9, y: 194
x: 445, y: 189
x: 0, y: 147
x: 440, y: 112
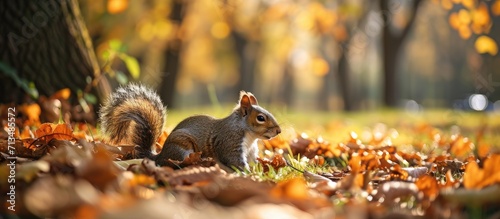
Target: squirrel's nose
x: 278, y: 131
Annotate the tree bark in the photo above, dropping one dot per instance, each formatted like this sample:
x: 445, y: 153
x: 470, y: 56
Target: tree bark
x: 344, y: 82
x: 46, y: 43
x: 247, y: 59
x: 391, y: 43
x: 172, y: 59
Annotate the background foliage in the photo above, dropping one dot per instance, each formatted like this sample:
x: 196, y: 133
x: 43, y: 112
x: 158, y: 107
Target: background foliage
x: 308, y: 54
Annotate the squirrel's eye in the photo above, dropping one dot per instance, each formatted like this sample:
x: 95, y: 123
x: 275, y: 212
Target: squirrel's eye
x: 261, y: 118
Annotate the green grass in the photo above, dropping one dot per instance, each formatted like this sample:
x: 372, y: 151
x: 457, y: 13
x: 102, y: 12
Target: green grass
x: 335, y: 126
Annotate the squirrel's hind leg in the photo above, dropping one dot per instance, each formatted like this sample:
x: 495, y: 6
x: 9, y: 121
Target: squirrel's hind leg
x: 178, y: 146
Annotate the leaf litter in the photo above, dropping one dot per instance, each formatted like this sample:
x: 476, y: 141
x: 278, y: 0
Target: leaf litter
x: 60, y: 173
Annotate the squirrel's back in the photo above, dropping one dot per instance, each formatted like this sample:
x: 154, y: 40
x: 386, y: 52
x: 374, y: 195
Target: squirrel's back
x: 133, y: 114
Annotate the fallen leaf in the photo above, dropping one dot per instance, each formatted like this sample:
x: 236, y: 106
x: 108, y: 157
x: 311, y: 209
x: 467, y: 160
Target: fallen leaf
x: 277, y: 162
x: 428, y: 185
x: 63, y: 132
x: 478, y: 178
x: 389, y: 191
x: 295, y: 188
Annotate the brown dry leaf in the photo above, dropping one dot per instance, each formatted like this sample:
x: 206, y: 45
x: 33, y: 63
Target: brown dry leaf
x: 477, y: 178
x: 391, y: 190
x: 63, y: 132
x: 191, y: 160
x: 232, y: 191
x: 22, y: 149
x: 483, y: 149
x: 295, y: 188
x: 415, y: 172
x: 296, y: 192
x: 161, y: 140
x: 43, y: 130
x: 80, y: 135
x: 277, y: 162
x: 66, y: 157
x: 141, y: 180
x: 353, y: 180
x: 462, y: 147
x: 315, y: 178
x: 355, y: 163
x: 428, y: 185
x: 398, y: 173
x: 100, y: 171
x: 26, y: 133
x: 300, y: 145
x: 277, y: 142
x: 32, y: 111
x: 473, y: 175
x: 58, y: 195
x: 87, y: 211
x: 450, y: 181
x: 192, y: 174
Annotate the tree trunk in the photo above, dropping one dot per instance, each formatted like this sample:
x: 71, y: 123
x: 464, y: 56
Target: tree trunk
x: 287, y: 91
x: 391, y: 43
x: 172, y: 60
x: 344, y: 82
x: 47, y: 43
x: 246, y: 53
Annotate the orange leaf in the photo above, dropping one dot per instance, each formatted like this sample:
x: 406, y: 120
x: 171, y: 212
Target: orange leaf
x: 63, y: 132
x: 483, y: 149
x: 477, y: 178
x: 355, y: 163
x: 26, y: 133
x: 62, y: 94
x: 33, y: 112
x: 295, y: 189
x: 450, y: 181
x: 161, y: 140
x: 462, y: 147
x: 428, y: 185
x: 276, y: 163
x: 43, y: 130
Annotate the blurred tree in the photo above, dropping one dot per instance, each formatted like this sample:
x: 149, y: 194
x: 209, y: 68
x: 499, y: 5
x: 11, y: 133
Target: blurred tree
x: 354, y: 15
x: 46, y: 43
x: 246, y: 51
x: 474, y: 21
x: 171, y: 57
x: 391, y: 42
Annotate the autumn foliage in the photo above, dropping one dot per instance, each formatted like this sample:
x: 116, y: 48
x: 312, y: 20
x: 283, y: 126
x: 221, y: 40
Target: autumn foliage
x: 65, y: 170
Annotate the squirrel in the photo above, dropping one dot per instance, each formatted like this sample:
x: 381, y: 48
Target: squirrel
x: 134, y: 114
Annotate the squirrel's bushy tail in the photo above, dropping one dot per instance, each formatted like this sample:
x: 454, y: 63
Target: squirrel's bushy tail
x: 133, y: 114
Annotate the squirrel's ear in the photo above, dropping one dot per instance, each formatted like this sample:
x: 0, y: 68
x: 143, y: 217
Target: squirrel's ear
x: 253, y: 100
x: 245, y: 104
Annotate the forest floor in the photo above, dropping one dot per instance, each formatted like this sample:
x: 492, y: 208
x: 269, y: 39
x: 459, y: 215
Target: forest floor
x: 380, y: 164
